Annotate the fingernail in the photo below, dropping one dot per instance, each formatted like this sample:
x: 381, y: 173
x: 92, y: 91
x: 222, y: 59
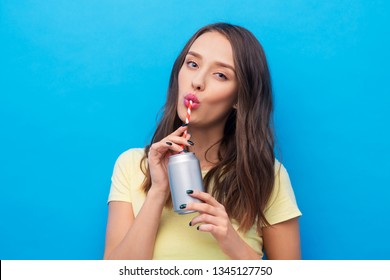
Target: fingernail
x: 168, y: 143
x: 197, y: 227
x: 190, y: 142
x: 190, y: 224
x: 183, y: 206
x: 184, y: 124
x: 189, y: 191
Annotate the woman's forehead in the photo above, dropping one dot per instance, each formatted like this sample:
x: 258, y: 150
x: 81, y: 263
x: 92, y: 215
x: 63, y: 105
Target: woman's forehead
x: 213, y: 45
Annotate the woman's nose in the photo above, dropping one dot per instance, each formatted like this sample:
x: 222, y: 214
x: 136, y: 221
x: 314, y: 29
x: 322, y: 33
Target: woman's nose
x: 198, y: 82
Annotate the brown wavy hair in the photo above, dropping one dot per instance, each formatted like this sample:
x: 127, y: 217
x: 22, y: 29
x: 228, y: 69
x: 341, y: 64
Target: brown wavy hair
x: 243, y: 178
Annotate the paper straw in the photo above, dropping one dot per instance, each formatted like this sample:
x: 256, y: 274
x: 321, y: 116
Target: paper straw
x: 188, y: 116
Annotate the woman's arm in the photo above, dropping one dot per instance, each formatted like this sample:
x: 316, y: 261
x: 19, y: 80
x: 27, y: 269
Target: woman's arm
x: 282, y: 241
x: 133, y: 238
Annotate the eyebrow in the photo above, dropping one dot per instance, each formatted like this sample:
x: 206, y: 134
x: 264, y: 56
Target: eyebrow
x: 219, y: 63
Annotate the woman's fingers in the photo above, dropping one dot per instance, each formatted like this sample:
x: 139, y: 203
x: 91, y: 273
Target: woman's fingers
x: 173, y: 142
x: 217, y: 225
x: 159, y: 147
x: 203, y: 208
x: 207, y: 228
x: 180, y: 130
x: 178, y: 142
x: 204, y: 219
x: 213, y: 217
x: 207, y: 198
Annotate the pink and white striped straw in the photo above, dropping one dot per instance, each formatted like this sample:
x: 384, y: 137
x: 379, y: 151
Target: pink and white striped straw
x: 189, y: 108
x: 188, y: 116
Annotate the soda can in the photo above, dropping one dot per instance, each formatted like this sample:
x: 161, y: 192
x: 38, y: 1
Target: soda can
x: 184, y: 174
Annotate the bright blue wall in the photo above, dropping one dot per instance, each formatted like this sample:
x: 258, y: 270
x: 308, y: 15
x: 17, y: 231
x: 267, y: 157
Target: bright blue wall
x: 82, y: 81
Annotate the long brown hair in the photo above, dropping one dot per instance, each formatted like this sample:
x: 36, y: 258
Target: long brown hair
x: 244, y: 177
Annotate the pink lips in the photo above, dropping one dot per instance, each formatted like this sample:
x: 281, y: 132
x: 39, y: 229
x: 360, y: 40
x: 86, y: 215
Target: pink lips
x: 191, y: 97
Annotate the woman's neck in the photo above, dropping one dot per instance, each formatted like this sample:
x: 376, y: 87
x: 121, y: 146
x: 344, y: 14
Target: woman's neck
x: 206, y: 141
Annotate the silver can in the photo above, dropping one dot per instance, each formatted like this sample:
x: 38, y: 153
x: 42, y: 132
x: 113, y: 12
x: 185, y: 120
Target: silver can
x: 184, y: 174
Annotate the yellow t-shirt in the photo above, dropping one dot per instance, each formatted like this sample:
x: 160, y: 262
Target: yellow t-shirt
x: 175, y: 238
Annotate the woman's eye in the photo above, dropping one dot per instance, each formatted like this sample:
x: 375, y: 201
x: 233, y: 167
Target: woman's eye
x: 192, y: 64
x: 221, y: 76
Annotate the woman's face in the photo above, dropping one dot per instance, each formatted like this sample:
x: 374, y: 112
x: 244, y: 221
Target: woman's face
x: 208, y: 79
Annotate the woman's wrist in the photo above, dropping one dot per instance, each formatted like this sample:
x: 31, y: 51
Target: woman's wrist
x: 238, y: 249
x: 157, y: 195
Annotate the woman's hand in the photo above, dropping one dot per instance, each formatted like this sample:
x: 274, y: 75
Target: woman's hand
x: 159, y: 154
x: 214, y: 219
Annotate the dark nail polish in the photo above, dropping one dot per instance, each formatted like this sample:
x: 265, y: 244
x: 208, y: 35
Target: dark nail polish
x: 184, y: 124
x: 168, y: 143
x: 190, y: 224
x: 190, y: 142
x: 197, y: 227
x: 189, y: 191
x: 183, y: 206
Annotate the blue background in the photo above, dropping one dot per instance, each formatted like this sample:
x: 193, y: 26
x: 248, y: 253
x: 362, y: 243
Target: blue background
x: 82, y: 81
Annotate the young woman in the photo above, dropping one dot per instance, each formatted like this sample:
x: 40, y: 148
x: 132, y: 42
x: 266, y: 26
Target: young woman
x: 249, y: 205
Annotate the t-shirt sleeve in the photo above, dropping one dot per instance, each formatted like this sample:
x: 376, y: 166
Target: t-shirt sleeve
x: 282, y: 205
x: 121, y: 177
